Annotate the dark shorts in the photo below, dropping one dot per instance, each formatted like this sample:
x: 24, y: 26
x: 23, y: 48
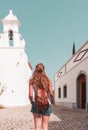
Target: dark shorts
x: 46, y: 112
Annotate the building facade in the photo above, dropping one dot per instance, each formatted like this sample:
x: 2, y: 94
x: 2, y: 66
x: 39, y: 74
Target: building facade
x: 15, y: 71
x: 71, y: 81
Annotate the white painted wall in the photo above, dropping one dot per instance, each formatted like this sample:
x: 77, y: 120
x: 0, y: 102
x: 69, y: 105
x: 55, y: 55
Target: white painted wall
x: 14, y: 69
x: 14, y: 73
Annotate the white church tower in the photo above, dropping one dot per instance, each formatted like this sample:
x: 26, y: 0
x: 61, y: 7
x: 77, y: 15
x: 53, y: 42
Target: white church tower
x: 15, y: 71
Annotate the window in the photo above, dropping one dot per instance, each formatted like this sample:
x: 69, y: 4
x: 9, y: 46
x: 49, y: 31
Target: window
x: 65, y: 91
x: 59, y: 92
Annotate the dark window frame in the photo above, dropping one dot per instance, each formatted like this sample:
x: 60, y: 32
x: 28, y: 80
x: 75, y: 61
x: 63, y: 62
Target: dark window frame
x: 65, y: 91
x: 59, y: 92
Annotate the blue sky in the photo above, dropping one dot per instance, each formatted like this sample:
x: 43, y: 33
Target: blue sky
x: 49, y: 28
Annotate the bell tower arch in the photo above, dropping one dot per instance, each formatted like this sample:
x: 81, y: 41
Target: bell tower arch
x: 11, y: 35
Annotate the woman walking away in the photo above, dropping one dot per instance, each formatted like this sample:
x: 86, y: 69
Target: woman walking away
x: 40, y: 82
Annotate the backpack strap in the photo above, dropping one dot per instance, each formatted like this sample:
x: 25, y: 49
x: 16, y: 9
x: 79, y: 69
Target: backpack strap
x: 35, y: 89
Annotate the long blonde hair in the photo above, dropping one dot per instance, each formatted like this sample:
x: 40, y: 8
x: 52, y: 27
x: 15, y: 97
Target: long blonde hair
x: 39, y: 77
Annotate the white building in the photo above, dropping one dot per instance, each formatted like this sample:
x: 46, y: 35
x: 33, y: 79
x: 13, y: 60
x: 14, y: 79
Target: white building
x: 71, y: 81
x: 15, y: 71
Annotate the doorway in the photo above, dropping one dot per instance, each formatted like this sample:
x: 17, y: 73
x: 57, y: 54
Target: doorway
x: 81, y: 91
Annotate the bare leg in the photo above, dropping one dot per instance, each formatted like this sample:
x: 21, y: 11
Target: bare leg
x: 37, y: 121
x: 45, y: 120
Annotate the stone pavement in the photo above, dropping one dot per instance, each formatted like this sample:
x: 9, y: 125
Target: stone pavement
x: 20, y: 118
x: 71, y: 119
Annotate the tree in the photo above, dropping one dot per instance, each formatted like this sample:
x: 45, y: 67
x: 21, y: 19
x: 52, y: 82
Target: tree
x: 73, y: 50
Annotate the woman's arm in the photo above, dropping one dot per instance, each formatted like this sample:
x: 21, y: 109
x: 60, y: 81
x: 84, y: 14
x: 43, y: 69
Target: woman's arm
x: 51, y: 93
x: 30, y: 93
x: 51, y: 89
